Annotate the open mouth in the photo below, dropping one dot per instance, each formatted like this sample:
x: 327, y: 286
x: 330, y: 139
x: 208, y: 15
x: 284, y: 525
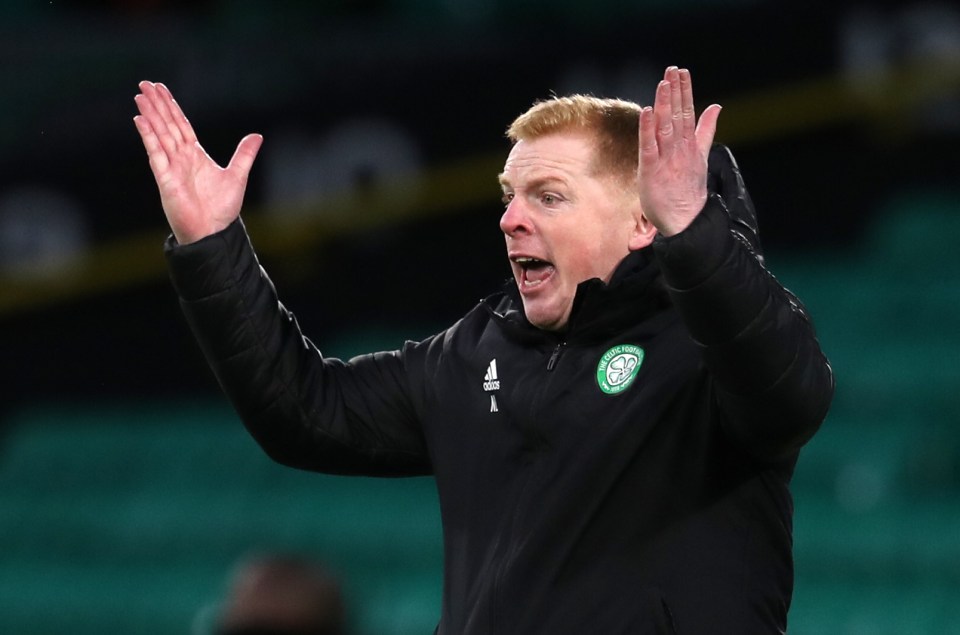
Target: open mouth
x: 533, y: 271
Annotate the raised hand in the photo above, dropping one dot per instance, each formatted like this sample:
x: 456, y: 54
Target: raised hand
x: 198, y: 196
x: 674, y: 147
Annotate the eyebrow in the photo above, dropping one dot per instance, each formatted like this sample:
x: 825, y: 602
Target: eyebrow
x: 535, y: 182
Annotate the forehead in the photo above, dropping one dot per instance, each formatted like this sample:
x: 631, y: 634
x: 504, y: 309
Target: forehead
x: 559, y: 155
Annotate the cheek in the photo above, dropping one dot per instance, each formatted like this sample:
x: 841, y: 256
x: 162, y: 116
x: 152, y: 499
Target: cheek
x: 591, y: 249
x: 603, y: 251
x: 583, y: 262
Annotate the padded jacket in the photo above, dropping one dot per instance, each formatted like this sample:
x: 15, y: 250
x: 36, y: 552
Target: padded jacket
x: 629, y: 475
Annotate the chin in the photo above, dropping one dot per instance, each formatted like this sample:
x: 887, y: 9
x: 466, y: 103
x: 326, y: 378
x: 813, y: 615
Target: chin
x: 545, y: 320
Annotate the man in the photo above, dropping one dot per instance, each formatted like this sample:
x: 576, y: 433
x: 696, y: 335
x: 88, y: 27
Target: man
x: 612, y: 435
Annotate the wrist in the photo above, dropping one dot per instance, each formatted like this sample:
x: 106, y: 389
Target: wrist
x: 186, y: 235
x: 680, y: 217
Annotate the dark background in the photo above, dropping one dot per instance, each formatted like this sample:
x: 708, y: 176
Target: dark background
x: 830, y: 110
x: 127, y: 487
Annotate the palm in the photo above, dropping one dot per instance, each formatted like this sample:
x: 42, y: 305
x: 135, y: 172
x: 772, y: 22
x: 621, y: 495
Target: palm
x: 199, y: 197
x: 194, y: 191
x: 675, y: 183
x: 672, y: 176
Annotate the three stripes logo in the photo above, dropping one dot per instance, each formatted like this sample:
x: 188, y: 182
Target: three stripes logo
x: 491, y: 382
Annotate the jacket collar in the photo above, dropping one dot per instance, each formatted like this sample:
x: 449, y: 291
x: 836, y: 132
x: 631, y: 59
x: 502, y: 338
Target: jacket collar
x: 635, y: 293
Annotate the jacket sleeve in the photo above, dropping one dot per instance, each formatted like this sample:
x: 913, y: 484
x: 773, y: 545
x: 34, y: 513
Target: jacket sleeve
x: 773, y: 383
x: 306, y: 411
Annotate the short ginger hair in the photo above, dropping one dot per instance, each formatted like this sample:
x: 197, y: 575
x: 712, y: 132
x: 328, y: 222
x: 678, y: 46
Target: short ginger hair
x: 614, y: 123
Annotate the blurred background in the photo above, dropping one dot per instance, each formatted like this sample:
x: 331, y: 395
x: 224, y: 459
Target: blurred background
x: 128, y: 489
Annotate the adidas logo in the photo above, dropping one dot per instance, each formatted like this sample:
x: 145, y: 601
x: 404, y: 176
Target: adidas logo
x: 490, y: 380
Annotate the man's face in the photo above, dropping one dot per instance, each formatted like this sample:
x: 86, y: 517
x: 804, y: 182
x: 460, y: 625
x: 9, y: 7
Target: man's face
x: 563, y: 223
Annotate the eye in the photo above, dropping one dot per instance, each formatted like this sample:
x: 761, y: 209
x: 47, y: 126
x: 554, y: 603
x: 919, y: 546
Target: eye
x: 549, y: 199
x: 507, y: 197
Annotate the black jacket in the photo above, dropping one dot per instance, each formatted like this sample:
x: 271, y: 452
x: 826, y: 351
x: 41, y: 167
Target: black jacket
x: 627, y: 476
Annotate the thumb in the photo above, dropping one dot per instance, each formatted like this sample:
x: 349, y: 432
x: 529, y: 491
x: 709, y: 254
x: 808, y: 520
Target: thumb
x: 707, y: 128
x: 243, y: 157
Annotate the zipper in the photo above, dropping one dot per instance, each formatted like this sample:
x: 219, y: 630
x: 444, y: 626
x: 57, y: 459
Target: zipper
x: 555, y: 356
x: 507, y: 535
x: 507, y: 538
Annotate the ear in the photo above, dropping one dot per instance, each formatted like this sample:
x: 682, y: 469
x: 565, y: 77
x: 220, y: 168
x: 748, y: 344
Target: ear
x: 643, y: 232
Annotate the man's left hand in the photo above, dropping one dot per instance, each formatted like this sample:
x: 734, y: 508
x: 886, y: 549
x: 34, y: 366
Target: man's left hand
x: 672, y: 175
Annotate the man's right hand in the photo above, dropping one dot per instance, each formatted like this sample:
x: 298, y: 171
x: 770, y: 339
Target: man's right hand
x: 198, y: 196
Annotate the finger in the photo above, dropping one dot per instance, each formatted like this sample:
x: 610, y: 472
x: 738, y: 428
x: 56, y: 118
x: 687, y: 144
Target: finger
x: 688, y: 115
x: 649, y: 153
x: 143, y: 127
x: 673, y: 76
x: 707, y: 128
x: 157, y: 158
x: 160, y: 99
x: 157, y: 123
x: 179, y: 119
x: 661, y: 112
x: 155, y: 152
x: 242, y: 160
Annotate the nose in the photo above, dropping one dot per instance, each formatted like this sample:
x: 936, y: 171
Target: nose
x: 516, y: 218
